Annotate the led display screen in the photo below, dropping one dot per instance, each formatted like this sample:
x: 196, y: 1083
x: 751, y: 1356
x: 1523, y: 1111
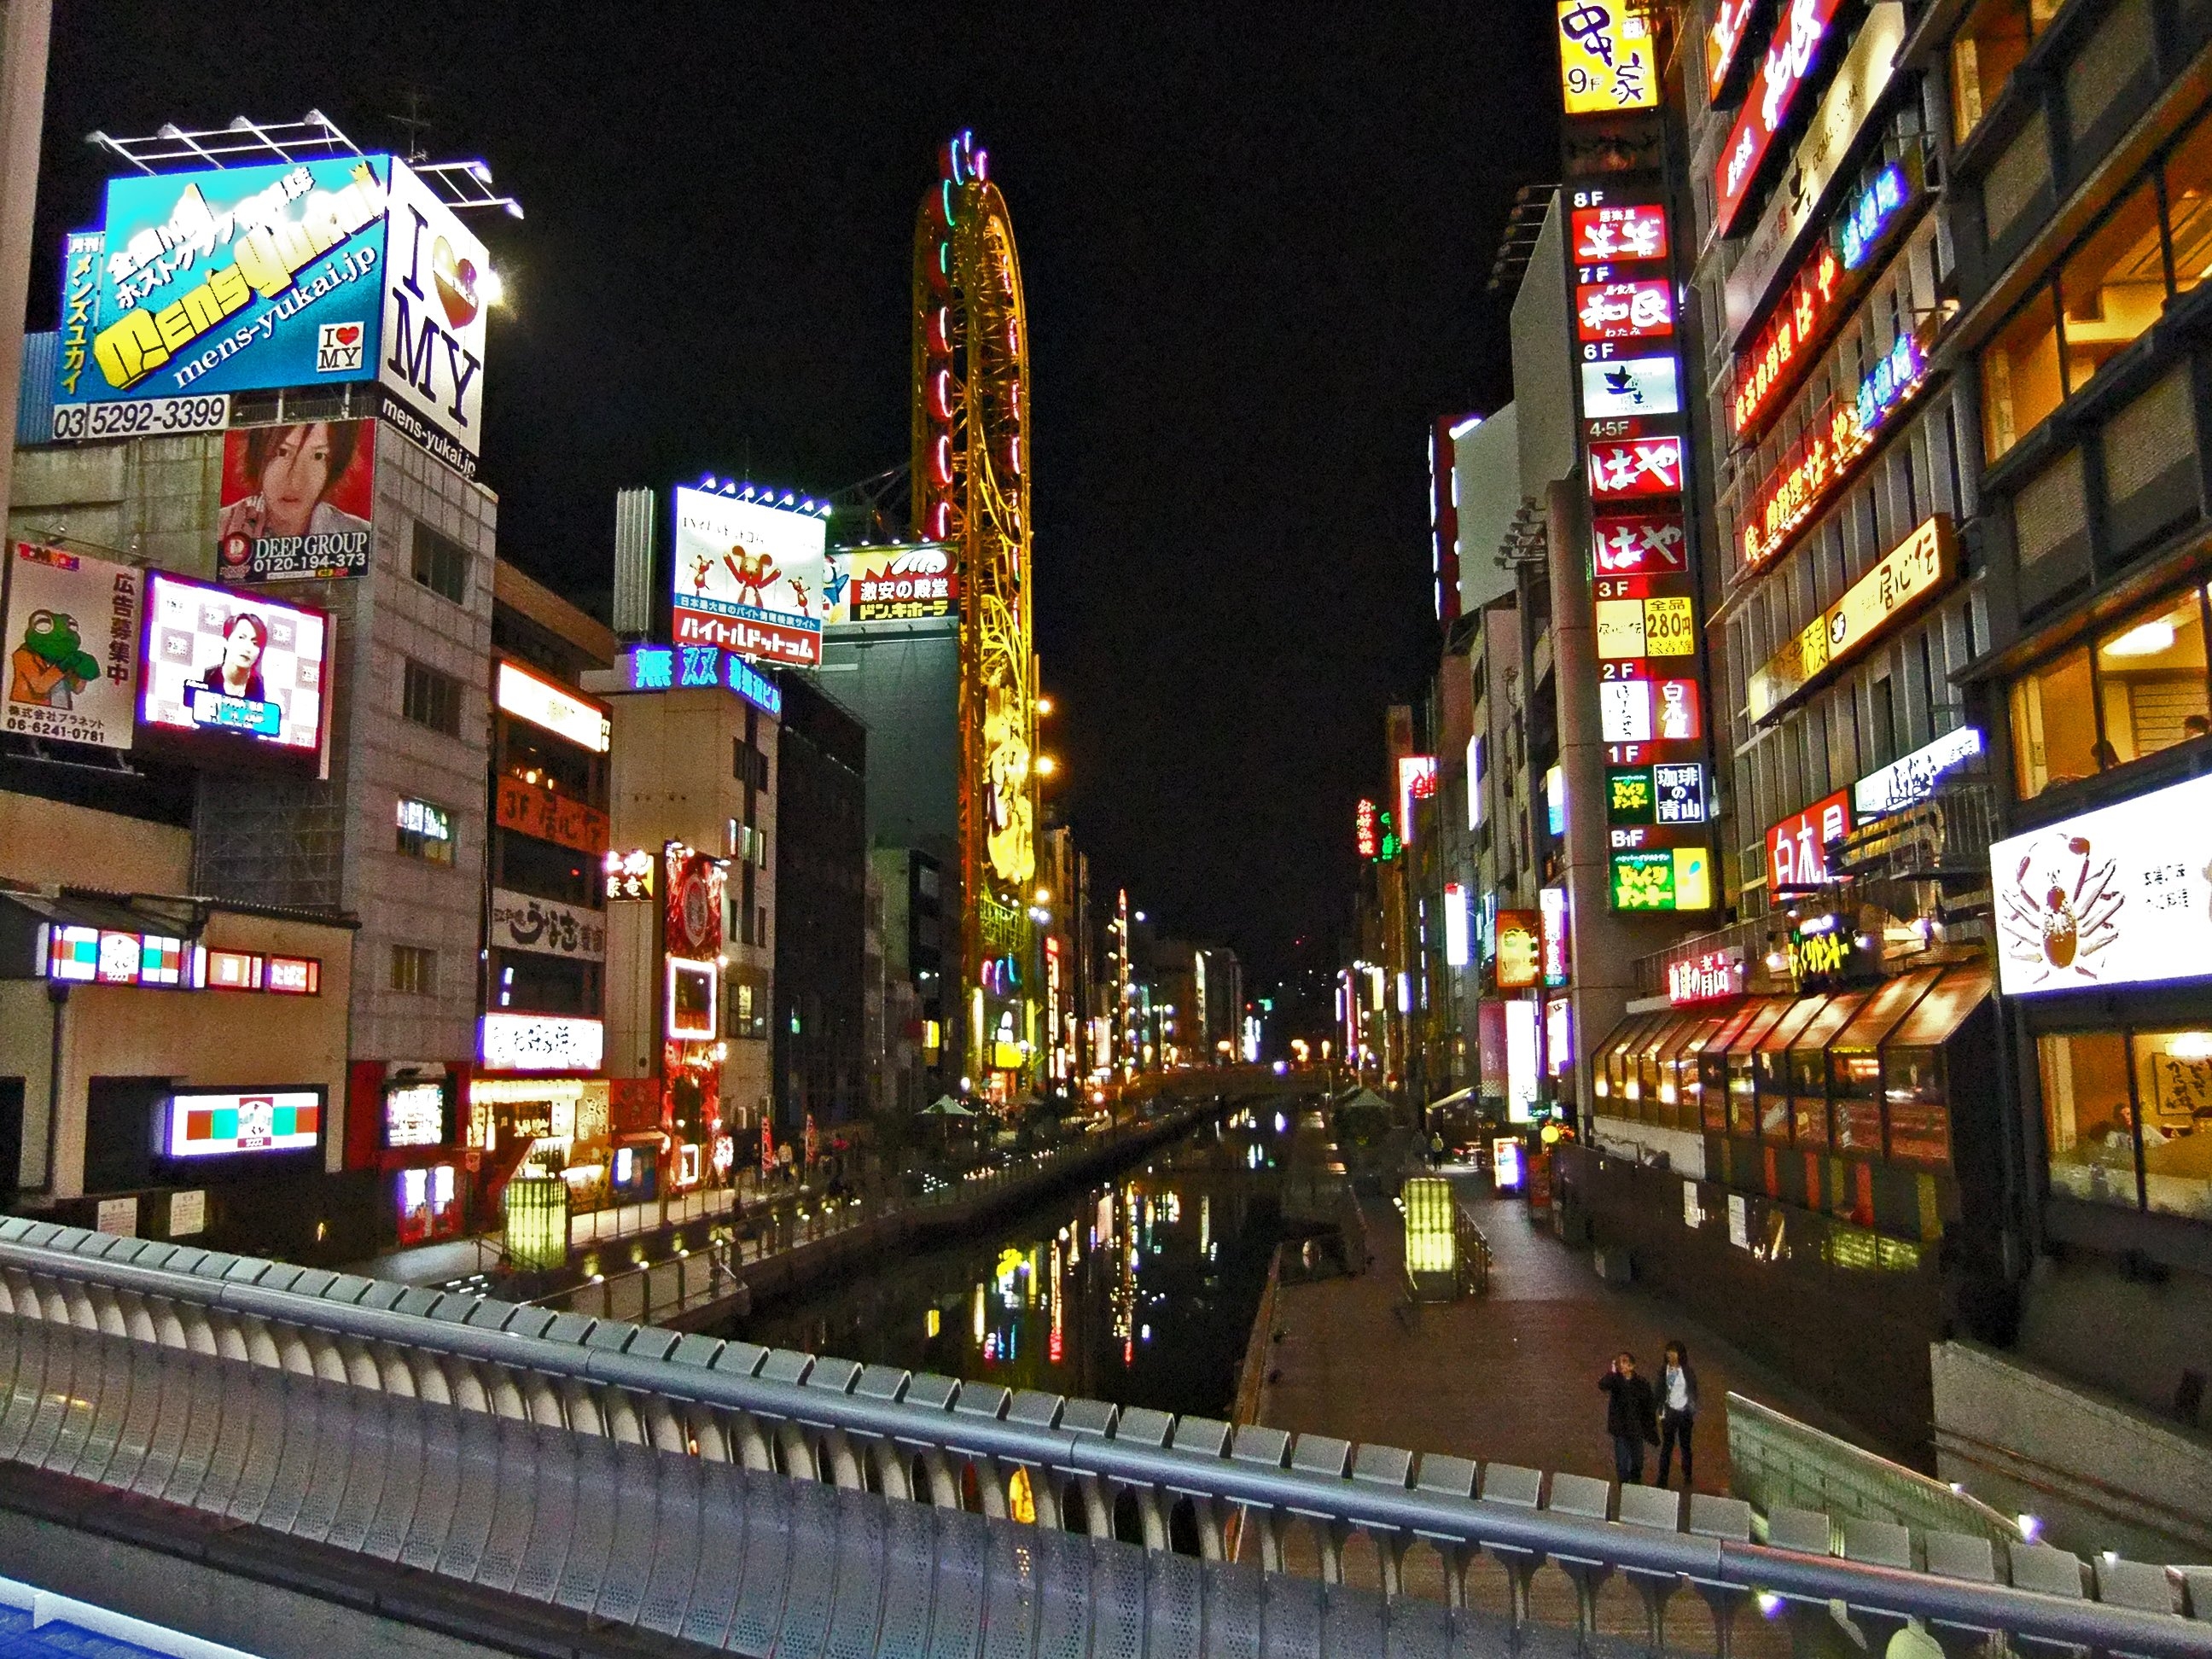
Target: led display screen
x: 234, y: 672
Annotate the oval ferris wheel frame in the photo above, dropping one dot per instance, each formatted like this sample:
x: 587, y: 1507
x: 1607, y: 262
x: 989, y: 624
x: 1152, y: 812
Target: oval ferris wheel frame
x: 971, y: 492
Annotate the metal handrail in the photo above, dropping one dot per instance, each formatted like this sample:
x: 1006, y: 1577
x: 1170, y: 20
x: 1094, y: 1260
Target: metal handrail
x: 990, y: 1432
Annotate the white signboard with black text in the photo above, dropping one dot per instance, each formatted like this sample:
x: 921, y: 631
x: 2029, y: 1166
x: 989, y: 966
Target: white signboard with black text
x: 521, y: 921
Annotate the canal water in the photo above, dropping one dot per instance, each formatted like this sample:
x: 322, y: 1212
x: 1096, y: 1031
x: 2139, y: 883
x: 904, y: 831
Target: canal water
x: 1140, y: 1292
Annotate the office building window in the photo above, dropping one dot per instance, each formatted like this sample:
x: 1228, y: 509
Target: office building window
x: 432, y: 699
x: 414, y: 970
x: 425, y: 831
x: 441, y: 564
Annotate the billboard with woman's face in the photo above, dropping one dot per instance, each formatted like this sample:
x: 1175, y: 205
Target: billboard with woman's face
x: 232, y: 672
x: 296, y: 502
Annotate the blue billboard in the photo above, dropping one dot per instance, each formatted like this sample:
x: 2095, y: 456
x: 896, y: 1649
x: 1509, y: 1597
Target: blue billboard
x: 232, y: 279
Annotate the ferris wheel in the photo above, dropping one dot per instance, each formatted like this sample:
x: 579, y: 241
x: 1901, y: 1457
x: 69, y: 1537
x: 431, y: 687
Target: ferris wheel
x: 972, y: 493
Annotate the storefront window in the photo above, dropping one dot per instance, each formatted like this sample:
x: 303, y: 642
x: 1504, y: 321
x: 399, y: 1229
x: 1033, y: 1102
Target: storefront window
x: 1919, y: 1107
x: 2087, y: 1117
x: 2054, y: 724
x: 2021, y: 377
x: 2174, y: 1097
x: 1857, y: 1080
x: 2112, y: 288
x: 2188, y: 206
x: 2150, y: 674
x: 1986, y: 51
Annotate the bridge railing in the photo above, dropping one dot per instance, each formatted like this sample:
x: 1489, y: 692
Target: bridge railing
x: 753, y: 1498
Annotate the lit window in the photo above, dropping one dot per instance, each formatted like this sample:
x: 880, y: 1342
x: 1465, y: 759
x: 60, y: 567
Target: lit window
x: 2188, y: 206
x: 414, y: 970
x: 2112, y: 287
x: 2020, y: 376
x: 2150, y: 680
x: 2174, y: 1102
x: 2087, y: 1117
x: 2054, y: 724
x: 1986, y: 51
x: 2147, y: 691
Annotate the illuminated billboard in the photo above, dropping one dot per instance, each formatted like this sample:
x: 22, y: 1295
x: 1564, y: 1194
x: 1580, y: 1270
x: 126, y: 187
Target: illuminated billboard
x: 2116, y: 896
x: 1800, y: 33
x: 1608, y: 58
x: 1917, y: 569
x: 437, y: 292
x: 72, y: 643
x: 892, y: 584
x: 751, y: 576
x: 296, y: 502
x: 234, y: 672
x: 540, y: 1042
x: 229, y: 279
x: 287, y: 274
x: 1663, y: 878
x: 217, y: 1124
x: 1797, y: 847
x: 1417, y: 780
x: 552, y: 707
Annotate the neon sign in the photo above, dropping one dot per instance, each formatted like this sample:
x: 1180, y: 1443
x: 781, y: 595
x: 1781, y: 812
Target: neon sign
x: 1624, y: 311
x: 1816, y: 467
x: 1731, y: 21
x: 1627, y: 235
x: 1707, y: 977
x: 1364, y: 830
x: 1638, y: 543
x: 1796, y: 847
x: 1773, y: 365
x: 1799, y: 34
x: 1870, y: 218
x: 694, y: 667
x: 1636, y: 469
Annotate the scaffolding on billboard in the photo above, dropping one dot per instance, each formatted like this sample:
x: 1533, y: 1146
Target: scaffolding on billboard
x: 462, y: 186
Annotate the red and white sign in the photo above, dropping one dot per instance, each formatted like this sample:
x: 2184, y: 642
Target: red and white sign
x: 1635, y: 469
x: 1799, y: 33
x: 1796, y: 847
x: 1624, y: 311
x: 1627, y: 544
x: 1619, y: 235
x: 1704, y: 978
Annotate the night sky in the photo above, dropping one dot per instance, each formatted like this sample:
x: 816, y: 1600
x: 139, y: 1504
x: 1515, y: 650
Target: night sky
x: 1254, y: 244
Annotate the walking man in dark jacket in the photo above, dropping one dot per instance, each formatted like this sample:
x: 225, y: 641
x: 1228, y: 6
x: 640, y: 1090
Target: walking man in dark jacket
x: 1630, y: 1417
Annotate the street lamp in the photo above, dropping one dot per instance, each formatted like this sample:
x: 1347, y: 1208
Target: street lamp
x: 1046, y: 766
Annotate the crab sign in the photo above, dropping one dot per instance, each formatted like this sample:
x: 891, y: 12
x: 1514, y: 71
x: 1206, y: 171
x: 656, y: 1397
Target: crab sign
x: 2061, y: 908
x: 752, y: 572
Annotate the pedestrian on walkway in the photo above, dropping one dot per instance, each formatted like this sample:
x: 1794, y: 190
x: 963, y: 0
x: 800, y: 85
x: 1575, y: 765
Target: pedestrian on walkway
x: 1629, y: 1417
x: 1678, y: 1413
